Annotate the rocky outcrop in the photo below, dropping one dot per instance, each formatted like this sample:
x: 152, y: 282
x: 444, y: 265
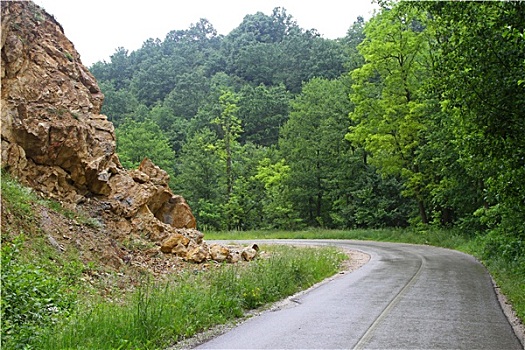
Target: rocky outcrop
x: 55, y: 140
x: 53, y: 135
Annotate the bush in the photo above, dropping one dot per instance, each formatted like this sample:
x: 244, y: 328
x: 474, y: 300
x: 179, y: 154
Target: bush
x: 32, y: 298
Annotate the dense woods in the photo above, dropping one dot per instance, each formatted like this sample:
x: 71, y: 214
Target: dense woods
x: 414, y: 118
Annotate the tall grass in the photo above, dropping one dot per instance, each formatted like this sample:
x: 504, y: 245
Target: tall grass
x: 509, y: 274
x: 156, y: 316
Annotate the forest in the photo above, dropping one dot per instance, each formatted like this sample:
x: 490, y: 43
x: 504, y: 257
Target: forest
x: 416, y: 117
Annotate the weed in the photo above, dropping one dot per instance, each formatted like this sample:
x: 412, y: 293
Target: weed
x: 68, y: 56
x: 32, y: 298
x: 503, y: 255
x: 156, y: 315
x: 19, y: 198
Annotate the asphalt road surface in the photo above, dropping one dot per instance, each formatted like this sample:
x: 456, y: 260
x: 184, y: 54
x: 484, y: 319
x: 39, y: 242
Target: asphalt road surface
x: 405, y: 297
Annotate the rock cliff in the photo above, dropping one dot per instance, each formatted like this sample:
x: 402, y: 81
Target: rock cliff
x: 55, y: 140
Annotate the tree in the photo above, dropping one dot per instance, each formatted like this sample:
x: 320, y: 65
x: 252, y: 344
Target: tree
x: 277, y: 209
x: 311, y: 142
x: 481, y: 72
x: 188, y: 94
x: 354, y: 36
x: 174, y: 127
x: 138, y: 140
x: 230, y: 128
x: 119, y: 71
x: 389, y: 116
x: 118, y: 104
x: 263, y: 110
x: 243, y: 208
x: 200, y: 178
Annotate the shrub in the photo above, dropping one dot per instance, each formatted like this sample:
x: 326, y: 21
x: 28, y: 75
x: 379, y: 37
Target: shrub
x: 32, y: 298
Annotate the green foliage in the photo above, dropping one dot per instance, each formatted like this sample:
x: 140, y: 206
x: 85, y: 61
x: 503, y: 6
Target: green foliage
x: 138, y: 140
x: 118, y: 104
x: 33, y: 298
x: 277, y: 208
x: 243, y: 209
x: 480, y: 70
x: 390, y: 108
x: 200, y: 178
x: 157, y: 315
x: 312, y: 144
x: 330, y: 183
x: 263, y: 110
x: 18, y: 197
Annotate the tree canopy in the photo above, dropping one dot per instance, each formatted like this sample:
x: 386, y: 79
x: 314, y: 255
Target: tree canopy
x: 415, y: 117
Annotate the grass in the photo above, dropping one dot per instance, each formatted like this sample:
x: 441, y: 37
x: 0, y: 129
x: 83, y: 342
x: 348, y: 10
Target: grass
x: 48, y: 285
x: 156, y: 316
x: 508, y: 274
x: 38, y: 285
x: 429, y: 236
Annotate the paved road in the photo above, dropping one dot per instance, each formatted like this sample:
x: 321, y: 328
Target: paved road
x: 406, y: 297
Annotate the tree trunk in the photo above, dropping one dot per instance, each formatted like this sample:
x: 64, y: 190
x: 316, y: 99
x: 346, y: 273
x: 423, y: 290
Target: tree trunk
x: 422, y: 212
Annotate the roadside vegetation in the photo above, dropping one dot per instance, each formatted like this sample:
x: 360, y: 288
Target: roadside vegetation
x: 159, y: 314
x: 507, y: 267
x: 47, y: 304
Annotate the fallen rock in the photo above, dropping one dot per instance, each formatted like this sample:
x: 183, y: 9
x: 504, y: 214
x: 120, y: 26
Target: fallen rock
x: 55, y: 140
x: 250, y: 253
x: 219, y: 253
x: 198, y: 254
x: 174, y: 240
x: 234, y: 256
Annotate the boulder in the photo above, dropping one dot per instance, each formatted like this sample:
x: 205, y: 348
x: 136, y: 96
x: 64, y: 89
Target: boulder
x: 173, y: 241
x: 219, y: 253
x: 250, y: 253
x: 55, y: 140
x: 176, y: 212
x: 234, y: 256
x: 198, y: 253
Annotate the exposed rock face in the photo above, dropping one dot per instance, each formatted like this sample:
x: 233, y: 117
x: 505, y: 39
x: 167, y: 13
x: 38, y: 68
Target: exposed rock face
x: 53, y: 135
x: 55, y: 140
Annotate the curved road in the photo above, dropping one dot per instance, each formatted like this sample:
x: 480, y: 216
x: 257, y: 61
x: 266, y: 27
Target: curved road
x: 405, y: 297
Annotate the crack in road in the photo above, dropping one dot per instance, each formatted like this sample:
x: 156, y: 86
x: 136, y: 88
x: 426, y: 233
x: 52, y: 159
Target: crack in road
x: 405, y: 297
x: 368, y: 334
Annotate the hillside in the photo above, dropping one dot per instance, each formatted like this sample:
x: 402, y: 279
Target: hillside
x: 55, y: 141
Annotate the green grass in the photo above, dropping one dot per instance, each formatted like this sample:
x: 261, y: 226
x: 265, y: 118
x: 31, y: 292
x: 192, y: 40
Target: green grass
x: 508, y: 274
x: 38, y: 285
x: 156, y: 316
x: 429, y: 236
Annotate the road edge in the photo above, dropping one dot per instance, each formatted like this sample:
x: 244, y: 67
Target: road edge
x: 517, y: 326
x: 357, y: 259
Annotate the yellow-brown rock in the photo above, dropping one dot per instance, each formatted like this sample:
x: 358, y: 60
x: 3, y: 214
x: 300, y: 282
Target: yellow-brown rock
x: 219, y: 253
x: 250, y: 253
x: 234, y: 256
x: 55, y: 140
x: 198, y: 254
x: 180, y: 250
x: 174, y: 240
x: 176, y: 212
x: 52, y: 129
